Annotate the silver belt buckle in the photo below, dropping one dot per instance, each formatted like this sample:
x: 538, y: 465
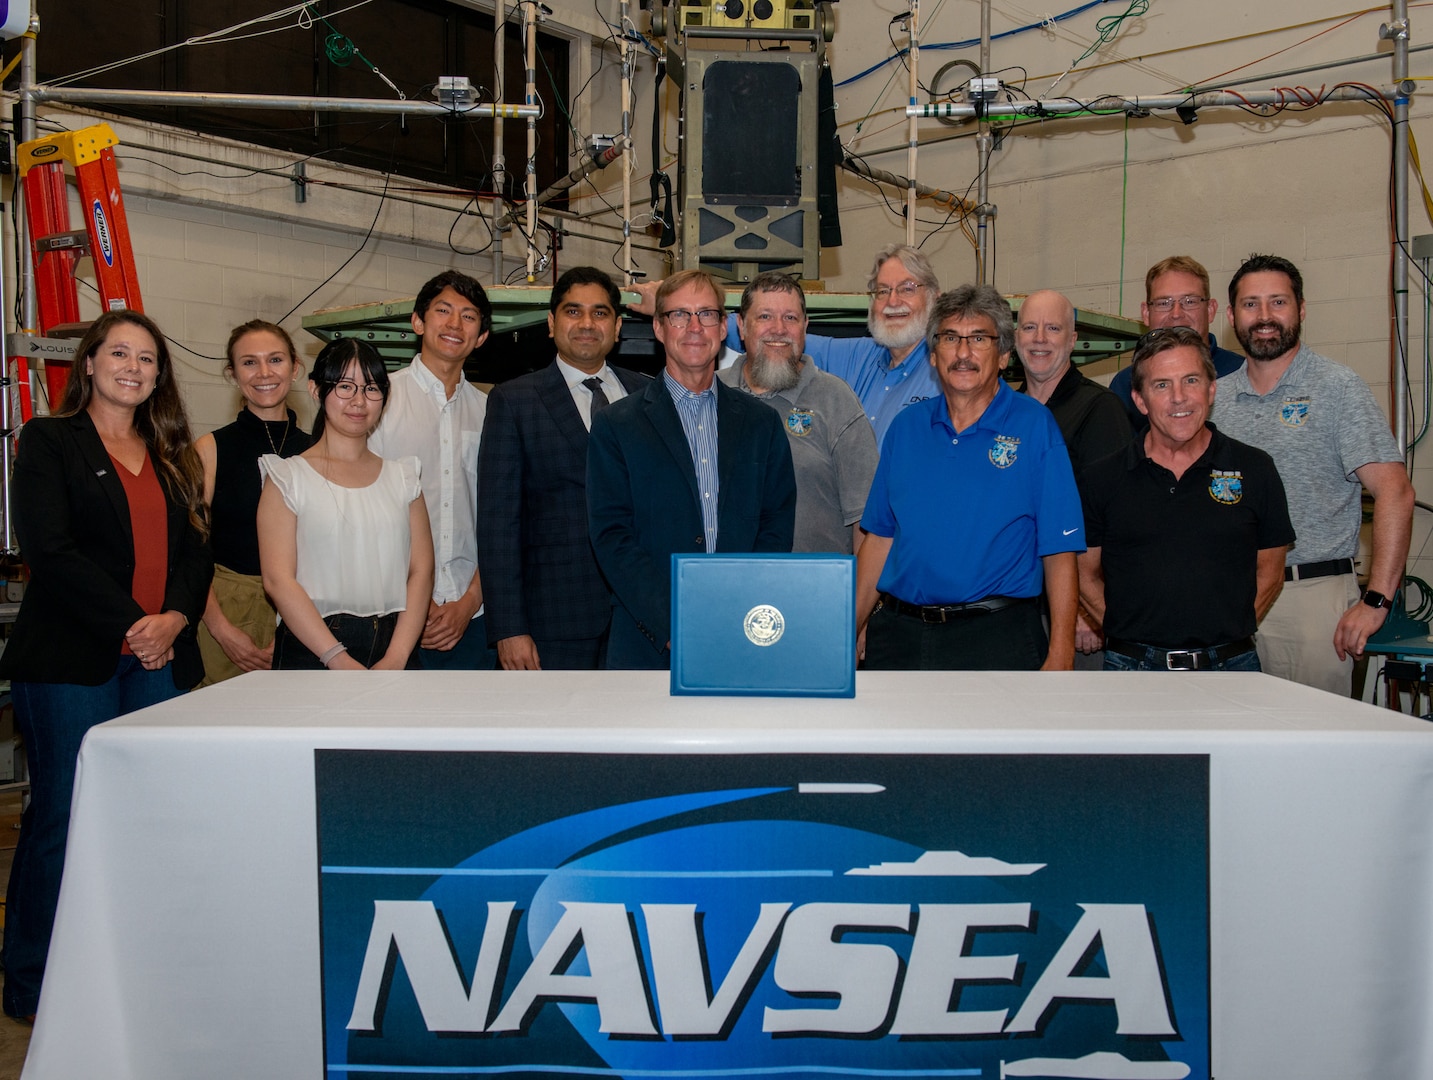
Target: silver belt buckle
x: 1183, y: 660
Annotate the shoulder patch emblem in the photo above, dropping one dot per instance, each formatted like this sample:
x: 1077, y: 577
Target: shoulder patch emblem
x: 1294, y: 411
x: 799, y: 421
x: 1226, y: 487
x: 1003, y: 453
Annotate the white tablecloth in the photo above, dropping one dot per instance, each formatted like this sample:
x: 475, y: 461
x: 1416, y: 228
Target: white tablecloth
x: 187, y: 940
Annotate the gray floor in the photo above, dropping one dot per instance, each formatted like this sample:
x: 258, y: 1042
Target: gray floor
x: 14, y: 1035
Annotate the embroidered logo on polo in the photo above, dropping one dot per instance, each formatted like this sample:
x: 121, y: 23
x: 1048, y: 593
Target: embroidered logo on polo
x: 1003, y: 453
x: 800, y: 421
x: 1294, y: 411
x: 1226, y: 487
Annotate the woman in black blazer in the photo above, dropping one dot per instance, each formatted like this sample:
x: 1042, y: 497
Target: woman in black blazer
x: 107, y: 496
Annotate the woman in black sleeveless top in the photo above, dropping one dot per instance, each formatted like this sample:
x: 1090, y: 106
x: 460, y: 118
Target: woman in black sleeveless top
x: 237, y: 634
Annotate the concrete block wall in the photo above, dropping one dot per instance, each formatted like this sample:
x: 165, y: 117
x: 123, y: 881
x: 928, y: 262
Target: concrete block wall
x: 1085, y: 206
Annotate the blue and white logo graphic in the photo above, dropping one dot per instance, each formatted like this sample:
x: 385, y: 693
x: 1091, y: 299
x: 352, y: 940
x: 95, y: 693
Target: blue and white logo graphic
x: 1226, y: 486
x: 799, y: 421
x: 693, y: 916
x: 102, y: 232
x: 1003, y: 453
x: 1294, y: 412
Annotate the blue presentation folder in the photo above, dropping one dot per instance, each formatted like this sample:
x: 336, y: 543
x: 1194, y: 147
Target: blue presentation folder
x: 764, y: 625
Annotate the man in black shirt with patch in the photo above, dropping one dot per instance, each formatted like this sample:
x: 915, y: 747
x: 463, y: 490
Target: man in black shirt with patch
x: 1187, y: 528
x: 1090, y: 418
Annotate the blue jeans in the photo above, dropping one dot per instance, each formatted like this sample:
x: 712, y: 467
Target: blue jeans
x: 1245, y: 661
x: 53, y: 719
x: 471, y: 653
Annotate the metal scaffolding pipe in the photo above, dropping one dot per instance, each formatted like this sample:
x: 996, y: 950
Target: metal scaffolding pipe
x: 529, y: 183
x: 500, y: 37
x: 576, y: 176
x: 625, y: 15
x: 1112, y: 103
x: 1398, y: 31
x: 73, y: 95
x: 984, y: 147
x: 913, y: 132
x: 956, y: 203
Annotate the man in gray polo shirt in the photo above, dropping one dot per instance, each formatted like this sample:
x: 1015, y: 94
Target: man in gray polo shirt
x: 832, y: 444
x: 1319, y: 422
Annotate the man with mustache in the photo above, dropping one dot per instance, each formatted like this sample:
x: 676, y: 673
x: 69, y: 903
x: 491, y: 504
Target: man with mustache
x: 1319, y: 422
x: 1183, y: 495
x: 972, y: 510
x: 832, y: 445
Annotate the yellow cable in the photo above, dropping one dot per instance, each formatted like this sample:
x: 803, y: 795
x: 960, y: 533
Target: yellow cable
x: 1418, y: 171
x: 15, y: 60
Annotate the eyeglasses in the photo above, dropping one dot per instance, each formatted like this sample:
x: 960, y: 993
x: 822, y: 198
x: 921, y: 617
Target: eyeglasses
x: 905, y: 290
x: 1166, y: 304
x: 977, y: 342
x: 708, y: 316
x: 346, y: 388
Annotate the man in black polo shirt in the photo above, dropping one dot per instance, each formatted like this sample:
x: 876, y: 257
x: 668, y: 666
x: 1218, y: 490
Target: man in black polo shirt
x: 1187, y: 528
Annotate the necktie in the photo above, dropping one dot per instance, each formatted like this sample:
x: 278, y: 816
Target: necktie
x: 599, y: 396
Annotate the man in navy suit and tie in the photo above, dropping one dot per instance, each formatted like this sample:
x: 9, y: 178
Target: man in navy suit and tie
x: 547, y: 604
x: 686, y: 464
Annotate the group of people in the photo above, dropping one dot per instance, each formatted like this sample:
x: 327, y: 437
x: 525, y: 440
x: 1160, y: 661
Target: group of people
x: 1157, y: 524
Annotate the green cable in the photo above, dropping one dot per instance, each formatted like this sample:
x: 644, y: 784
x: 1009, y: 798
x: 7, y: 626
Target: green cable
x: 1109, y: 27
x: 1124, y: 212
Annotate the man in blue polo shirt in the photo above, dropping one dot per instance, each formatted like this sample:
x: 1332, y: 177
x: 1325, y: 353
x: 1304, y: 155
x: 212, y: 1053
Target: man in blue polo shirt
x: 973, y: 508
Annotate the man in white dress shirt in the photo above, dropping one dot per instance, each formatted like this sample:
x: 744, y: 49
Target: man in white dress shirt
x: 436, y: 415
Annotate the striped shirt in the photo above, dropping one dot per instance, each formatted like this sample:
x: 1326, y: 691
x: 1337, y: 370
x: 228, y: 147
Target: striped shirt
x: 698, y: 413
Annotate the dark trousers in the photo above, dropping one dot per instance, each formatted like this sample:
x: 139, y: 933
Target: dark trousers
x: 1012, y: 639
x: 52, y: 719
x: 367, y: 638
x: 471, y: 652
x: 580, y: 654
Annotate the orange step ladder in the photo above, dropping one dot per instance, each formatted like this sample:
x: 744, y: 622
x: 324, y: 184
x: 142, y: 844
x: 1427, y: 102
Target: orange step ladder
x: 55, y: 249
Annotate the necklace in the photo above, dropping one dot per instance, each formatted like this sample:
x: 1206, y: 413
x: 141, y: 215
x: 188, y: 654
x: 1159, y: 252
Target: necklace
x: 270, y: 435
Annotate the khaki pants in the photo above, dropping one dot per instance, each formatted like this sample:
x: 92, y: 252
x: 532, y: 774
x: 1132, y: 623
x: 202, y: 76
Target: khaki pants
x: 241, y: 597
x: 1295, y: 640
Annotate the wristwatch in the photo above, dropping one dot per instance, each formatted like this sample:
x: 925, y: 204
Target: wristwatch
x: 1376, y: 599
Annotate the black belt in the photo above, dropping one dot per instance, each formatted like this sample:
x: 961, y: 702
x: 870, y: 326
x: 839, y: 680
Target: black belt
x: 939, y: 613
x: 1181, y: 659
x: 1327, y: 568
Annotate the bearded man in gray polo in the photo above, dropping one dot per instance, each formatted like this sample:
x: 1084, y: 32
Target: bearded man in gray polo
x: 833, y: 446
x: 1329, y: 439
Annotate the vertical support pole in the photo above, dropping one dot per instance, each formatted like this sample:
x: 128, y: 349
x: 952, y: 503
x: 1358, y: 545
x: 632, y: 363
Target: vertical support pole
x: 500, y: 18
x: 530, y: 177
x: 627, y: 147
x: 26, y: 284
x: 912, y: 131
x: 984, y: 145
x: 1399, y: 405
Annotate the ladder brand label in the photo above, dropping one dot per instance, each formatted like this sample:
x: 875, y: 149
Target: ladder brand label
x: 102, y: 232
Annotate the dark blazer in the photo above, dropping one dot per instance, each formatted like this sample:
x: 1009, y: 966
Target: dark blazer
x: 643, y: 506
x: 539, y: 574
x: 72, y: 520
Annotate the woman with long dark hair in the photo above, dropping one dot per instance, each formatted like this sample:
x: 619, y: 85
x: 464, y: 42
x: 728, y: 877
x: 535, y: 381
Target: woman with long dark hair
x: 237, y: 633
x: 108, y: 500
x: 344, y: 541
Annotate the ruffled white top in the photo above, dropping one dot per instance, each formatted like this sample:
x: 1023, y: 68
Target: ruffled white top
x: 353, y: 543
